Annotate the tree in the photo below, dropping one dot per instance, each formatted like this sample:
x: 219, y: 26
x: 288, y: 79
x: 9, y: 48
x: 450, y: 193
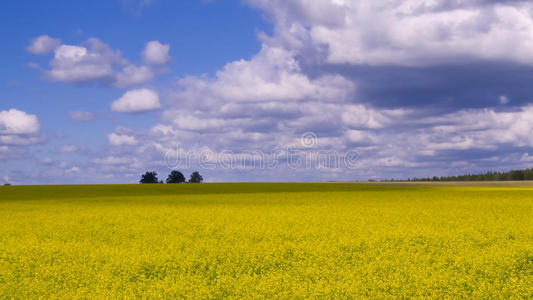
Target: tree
x: 175, y: 177
x: 517, y: 175
x: 149, y: 177
x: 196, y: 178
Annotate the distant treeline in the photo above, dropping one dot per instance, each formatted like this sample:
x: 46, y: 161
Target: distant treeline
x: 526, y: 174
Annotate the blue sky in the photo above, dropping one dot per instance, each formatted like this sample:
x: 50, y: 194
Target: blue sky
x: 193, y: 27
x: 101, y: 91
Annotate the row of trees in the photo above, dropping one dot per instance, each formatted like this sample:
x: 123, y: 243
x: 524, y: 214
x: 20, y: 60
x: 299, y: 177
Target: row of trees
x: 526, y: 174
x: 173, y: 177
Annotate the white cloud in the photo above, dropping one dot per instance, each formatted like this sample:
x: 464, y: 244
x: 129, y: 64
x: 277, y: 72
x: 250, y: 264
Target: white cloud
x: 412, y: 33
x: 193, y: 123
x: 156, y: 53
x: 43, y: 45
x: 16, y: 122
x: 113, y: 160
x: 271, y: 75
x: 139, y: 100
x: 18, y: 128
x: 121, y: 139
x: 360, y: 137
x: 132, y: 75
x: 359, y: 116
x: 479, y: 129
x: 73, y: 169
x: 95, y: 62
x: 79, y: 64
x: 163, y: 130
x: 81, y: 116
x: 274, y: 74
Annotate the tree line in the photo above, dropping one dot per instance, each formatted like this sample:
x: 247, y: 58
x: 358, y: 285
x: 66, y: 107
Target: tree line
x: 173, y: 177
x: 513, y: 175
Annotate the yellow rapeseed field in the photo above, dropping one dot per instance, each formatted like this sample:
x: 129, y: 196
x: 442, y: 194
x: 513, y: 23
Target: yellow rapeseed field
x: 266, y: 240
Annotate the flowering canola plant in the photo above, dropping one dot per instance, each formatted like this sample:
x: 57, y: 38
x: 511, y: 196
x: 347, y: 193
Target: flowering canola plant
x: 298, y: 240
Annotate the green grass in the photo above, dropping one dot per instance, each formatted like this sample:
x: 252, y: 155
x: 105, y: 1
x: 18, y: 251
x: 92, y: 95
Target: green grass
x: 266, y: 240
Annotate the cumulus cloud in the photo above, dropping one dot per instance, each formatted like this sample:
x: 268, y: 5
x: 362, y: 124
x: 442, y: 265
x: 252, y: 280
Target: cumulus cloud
x: 43, y: 45
x: 411, y: 33
x: 485, y: 129
x: 121, y: 139
x: 80, y: 64
x: 18, y: 128
x: 156, y: 53
x: 132, y: 75
x: 135, y: 101
x: 267, y: 99
x: 273, y: 74
x: 16, y: 122
x: 360, y: 137
x: 81, y: 116
x: 95, y: 62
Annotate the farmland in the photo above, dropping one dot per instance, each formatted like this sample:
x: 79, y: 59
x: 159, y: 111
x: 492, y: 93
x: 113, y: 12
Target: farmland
x: 266, y: 240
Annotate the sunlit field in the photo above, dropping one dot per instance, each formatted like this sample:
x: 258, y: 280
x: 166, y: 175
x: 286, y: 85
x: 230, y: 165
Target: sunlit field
x: 266, y: 240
